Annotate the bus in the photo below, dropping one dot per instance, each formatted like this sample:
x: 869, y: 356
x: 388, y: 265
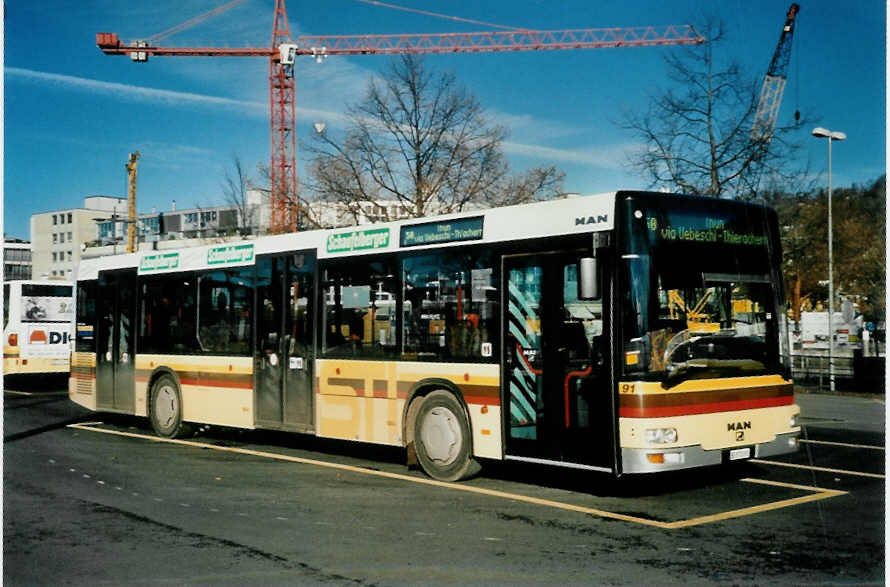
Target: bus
x: 626, y: 333
x: 37, y: 327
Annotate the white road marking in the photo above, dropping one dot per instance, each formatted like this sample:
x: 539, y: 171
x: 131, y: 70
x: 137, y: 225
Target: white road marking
x: 821, y: 469
x: 844, y: 444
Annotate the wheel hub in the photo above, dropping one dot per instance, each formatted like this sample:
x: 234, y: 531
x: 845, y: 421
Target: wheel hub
x: 166, y: 407
x: 441, y: 435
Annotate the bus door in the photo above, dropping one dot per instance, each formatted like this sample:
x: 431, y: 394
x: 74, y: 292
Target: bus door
x: 556, y: 365
x: 115, y: 353
x: 285, y: 334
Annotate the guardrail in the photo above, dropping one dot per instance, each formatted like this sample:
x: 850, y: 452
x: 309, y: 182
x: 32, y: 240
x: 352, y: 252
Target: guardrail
x: 851, y: 373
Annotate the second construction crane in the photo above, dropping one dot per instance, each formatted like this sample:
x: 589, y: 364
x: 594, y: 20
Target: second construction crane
x: 774, y: 83
x: 284, y: 202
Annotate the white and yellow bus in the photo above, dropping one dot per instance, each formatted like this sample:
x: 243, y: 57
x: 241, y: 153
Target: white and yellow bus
x: 37, y: 327
x: 627, y: 332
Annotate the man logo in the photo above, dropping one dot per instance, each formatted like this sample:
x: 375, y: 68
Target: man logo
x: 737, y: 426
x: 592, y: 219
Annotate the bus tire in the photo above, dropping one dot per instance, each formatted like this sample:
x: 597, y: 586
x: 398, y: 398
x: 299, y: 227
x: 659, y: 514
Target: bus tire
x: 442, y: 438
x: 166, y: 409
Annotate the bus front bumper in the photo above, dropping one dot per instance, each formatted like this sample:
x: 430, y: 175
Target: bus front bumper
x: 654, y: 460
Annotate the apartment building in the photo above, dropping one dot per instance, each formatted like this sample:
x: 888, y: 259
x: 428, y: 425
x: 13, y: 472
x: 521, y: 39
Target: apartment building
x: 16, y: 259
x: 58, y: 237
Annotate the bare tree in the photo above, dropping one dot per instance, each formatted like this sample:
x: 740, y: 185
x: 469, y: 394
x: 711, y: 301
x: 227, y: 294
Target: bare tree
x: 698, y: 135
x: 236, y: 184
x: 424, y: 142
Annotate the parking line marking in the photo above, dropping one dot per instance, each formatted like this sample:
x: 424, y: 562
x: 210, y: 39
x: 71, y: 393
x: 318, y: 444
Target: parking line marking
x: 821, y: 469
x: 819, y: 493
x: 844, y: 444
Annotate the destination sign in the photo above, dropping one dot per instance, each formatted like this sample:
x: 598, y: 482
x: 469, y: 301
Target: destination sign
x: 446, y: 231
x: 704, y: 230
x: 159, y: 262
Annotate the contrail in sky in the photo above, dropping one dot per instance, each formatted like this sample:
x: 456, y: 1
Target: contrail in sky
x: 600, y: 156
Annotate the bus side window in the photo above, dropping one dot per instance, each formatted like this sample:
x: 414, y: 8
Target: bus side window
x: 168, y: 315
x: 360, y: 308
x: 224, y: 298
x: 450, y: 305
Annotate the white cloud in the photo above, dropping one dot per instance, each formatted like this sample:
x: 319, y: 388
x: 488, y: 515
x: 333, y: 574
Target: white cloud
x: 158, y: 96
x: 608, y: 157
x: 132, y: 92
x: 611, y: 157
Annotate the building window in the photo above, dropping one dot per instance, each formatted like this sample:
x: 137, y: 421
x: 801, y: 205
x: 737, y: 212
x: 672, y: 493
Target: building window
x: 54, y: 257
x: 70, y: 218
x: 55, y: 219
x: 61, y: 237
x: 70, y: 257
x: 70, y: 240
x: 55, y: 238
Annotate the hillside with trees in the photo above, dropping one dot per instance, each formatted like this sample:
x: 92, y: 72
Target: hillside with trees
x: 860, y: 272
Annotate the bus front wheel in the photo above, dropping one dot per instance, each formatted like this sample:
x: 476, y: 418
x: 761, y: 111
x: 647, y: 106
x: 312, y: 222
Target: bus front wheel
x: 442, y: 438
x: 166, y: 409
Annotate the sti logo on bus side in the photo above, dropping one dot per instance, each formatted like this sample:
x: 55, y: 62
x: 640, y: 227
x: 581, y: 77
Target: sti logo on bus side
x: 592, y: 219
x: 40, y: 337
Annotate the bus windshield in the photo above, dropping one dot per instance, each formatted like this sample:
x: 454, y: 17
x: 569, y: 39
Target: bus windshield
x: 702, y: 297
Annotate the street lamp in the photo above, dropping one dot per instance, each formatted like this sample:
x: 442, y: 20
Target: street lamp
x: 824, y: 133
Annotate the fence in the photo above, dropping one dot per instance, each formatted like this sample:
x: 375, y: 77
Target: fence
x: 856, y: 373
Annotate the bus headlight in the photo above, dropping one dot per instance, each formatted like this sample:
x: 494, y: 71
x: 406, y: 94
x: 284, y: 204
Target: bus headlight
x: 661, y: 435
x: 793, y: 422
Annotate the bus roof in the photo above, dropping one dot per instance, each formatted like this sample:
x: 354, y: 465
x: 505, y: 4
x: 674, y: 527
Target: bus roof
x: 571, y: 215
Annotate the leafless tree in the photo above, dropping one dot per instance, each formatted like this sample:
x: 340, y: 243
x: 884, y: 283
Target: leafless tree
x: 424, y: 142
x: 697, y: 134
x: 236, y: 184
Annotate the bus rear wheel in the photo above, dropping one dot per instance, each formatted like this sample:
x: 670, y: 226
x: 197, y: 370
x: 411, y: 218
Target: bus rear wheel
x: 166, y: 409
x: 442, y: 438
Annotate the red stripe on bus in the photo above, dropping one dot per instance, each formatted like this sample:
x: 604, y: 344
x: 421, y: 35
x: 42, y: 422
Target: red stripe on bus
x: 483, y: 400
x: 207, y: 382
x: 709, y: 408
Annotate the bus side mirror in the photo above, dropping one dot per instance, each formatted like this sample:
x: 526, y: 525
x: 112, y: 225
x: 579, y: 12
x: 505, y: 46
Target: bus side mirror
x: 588, y: 279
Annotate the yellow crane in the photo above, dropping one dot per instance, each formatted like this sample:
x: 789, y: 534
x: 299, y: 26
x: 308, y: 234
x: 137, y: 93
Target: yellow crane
x: 131, y: 197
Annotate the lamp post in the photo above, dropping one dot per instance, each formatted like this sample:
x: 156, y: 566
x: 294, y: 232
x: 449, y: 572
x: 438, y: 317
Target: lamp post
x: 824, y: 133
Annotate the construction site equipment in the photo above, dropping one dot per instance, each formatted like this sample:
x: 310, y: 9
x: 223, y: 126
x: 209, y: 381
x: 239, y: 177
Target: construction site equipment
x: 286, y: 211
x: 131, y: 201
x: 774, y: 82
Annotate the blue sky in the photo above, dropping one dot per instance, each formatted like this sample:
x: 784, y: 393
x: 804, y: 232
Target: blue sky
x: 72, y: 114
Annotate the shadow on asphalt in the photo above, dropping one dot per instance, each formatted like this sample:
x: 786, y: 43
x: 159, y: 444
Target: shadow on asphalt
x: 592, y: 483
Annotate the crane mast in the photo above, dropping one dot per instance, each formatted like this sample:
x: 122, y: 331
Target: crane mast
x: 131, y: 201
x: 774, y: 83
x: 284, y: 203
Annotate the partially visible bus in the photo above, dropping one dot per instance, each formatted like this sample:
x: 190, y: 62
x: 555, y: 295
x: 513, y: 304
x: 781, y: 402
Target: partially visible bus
x: 38, y: 317
x: 626, y: 332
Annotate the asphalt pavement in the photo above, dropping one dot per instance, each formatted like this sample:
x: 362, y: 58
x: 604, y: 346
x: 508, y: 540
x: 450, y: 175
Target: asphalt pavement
x: 94, y: 499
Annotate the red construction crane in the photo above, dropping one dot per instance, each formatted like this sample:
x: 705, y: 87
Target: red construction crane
x: 283, y: 170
